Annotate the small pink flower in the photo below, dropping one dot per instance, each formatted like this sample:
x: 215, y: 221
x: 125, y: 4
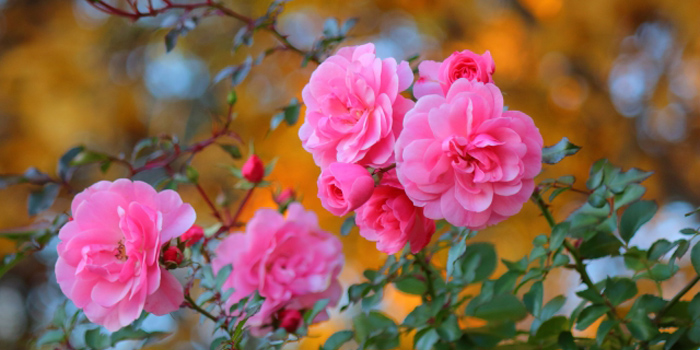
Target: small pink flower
x: 462, y: 158
x: 354, y: 111
x: 290, y: 320
x: 437, y: 77
x: 285, y: 196
x: 390, y: 218
x: 253, y: 170
x: 109, y: 253
x: 289, y: 261
x: 193, y: 235
x: 344, y: 187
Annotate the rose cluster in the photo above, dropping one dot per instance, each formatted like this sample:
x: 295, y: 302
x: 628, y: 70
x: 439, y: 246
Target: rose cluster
x: 115, y: 254
x: 453, y: 154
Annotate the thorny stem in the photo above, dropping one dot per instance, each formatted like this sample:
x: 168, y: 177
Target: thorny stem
x: 578, y: 261
x: 135, y: 14
x: 193, y: 305
x: 675, y: 299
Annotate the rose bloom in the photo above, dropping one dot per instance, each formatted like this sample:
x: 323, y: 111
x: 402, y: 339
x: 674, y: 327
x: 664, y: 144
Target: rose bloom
x: 193, y: 235
x: 390, y: 218
x: 108, y: 255
x: 437, y: 77
x: 354, y: 111
x: 344, y: 187
x: 289, y: 261
x: 462, y: 158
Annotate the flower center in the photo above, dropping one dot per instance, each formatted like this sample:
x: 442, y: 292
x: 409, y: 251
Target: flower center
x: 121, y: 251
x: 456, y: 149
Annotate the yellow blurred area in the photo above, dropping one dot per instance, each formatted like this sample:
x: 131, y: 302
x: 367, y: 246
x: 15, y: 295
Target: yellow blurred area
x: 69, y: 76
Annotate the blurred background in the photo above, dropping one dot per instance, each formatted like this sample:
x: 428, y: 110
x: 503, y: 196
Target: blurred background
x: 619, y: 78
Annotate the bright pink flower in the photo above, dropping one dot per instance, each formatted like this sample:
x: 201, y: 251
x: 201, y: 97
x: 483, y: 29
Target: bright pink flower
x: 193, y: 235
x: 289, y: 261
x: 108, y: 255
x: 354, y: 111
x: 437, y: 77
x: 253, y: 170
x: 462, y: 158
x: 290, y: 320
x: 390, y: 218
x: 344, y: 187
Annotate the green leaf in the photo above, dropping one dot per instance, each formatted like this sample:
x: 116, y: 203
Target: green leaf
x: 449, y: 329
x: 566, y: 341
x: 373, y: 300
x: 216, y: 343
x: 64, y: 168
x: 558, y: 235
x: 552, y: 327
x: 619, y: 290
x: 533, y: 298
x: 635, y: 216
x: 319, y: 306
x: 222, y: 276
x: 552, y: 307
x: 695, y: 257
x: 94, y: 339
x: 232, y: 150
x: 192, y: 174
x: 554, y: 154
x: 595, y: 177
x: 50, y: 337
x: 660, y: 272
x: 601, y: 245
x: 291, y: 112
x: 411, y: 285
x: 603, y: 330
x: 347, y: 225
x: 500, y: 308
x: 659, y: 249
x: 598, y: 199
x: 640, y: 326
x: 478, y: 263
x: 590, y: 295
x: 455, y: 252
x: 622, y: 180
x: 335, y: 341
x: 632, y: 193
x: 43, y: 199
x: 425, y: 339
x: 590, y: 315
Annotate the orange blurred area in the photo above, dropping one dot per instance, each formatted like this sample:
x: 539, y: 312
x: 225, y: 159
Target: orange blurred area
x: 619, y: 78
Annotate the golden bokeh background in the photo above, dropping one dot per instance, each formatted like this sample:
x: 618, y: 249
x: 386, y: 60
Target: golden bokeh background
x: 619, y: 78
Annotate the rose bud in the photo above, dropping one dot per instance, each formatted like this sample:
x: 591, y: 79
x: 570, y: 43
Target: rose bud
x: 172, y: 257
x: 344, y: 187
x: 290, y: 319
x: 193, y: 235
x: 285, y: 196
x: 253, y: 170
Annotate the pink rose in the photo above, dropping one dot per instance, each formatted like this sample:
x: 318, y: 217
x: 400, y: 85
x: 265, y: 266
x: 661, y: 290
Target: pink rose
x: 437, y: 77
x: 253, y: 170
x: 344, y: 187
x: 390, y: 218
x: 462, y: 158
x: 108, y: 255
x: 354, y: 111
x: 289, y: 261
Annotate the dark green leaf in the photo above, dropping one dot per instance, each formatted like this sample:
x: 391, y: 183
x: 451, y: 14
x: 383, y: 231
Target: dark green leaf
x: 554, y: 154
x: 595, y: 177
x: 347, y: 225
x: 64, y: 168
x: 552, y: 307
x: 50, y: 337
x: 372, y: 300
x: 425, y: 339
x: 590, y: 315
x: 695, y: 257
x: 659, y: 249
x: 478, y: 263
x: 335, y: 341
x: 319, y: 306
x: 603, y: 330
x: 455, y: 252
x: 291, y: 112
x: 602, y: 244
x: 94, y: 339
x: 641, y: 326
x: 232, y: 150
x: 552, y: 327
x: 42, y: 199
x: 635, y: 216
x: 222, y: 276
x: 411, y: 285
x: 533, y: 298
x: 566, y: 341
x: 622, y: 180
x: 449, y: 329
x: 619, y: 290
x: 501, y: 307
